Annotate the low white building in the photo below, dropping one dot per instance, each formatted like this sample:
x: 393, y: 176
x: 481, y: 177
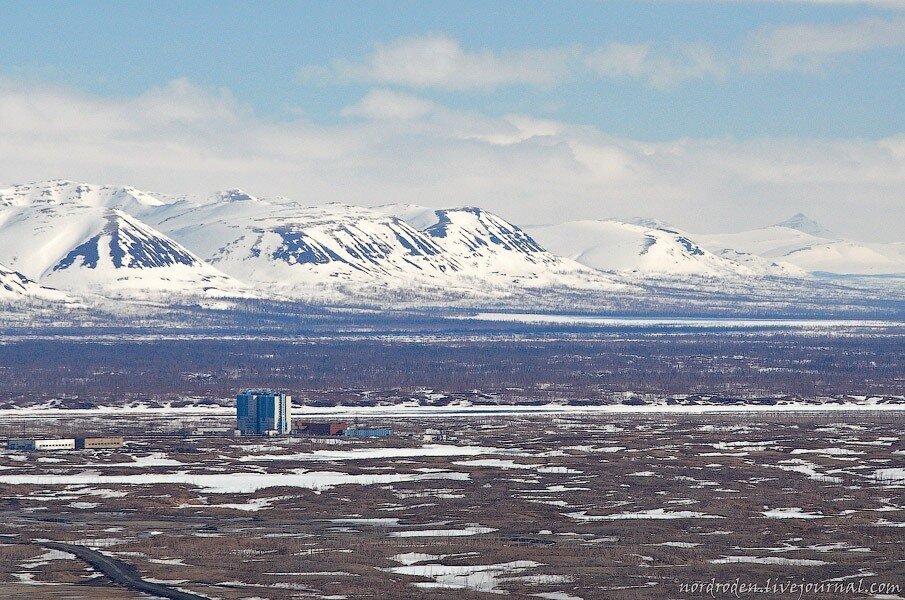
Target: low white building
x: 433, y: 435
x: 32, y: 444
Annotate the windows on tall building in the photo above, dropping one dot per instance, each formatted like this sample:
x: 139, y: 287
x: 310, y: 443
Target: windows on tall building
x: 261, y: 411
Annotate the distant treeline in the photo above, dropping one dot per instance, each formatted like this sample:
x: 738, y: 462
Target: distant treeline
x: 541, y: 366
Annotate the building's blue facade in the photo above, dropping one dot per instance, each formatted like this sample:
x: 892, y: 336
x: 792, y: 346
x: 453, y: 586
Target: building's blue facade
x: 261, y: 411
x: 368, y: 432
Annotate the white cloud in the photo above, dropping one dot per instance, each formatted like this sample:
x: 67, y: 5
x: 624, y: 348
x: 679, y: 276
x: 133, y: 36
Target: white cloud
x: 660, y: 69
x: 390, y: 104
x: 809, y: 46
x: 800, y: 47
x: 184, y: 139
x: 439, y: 61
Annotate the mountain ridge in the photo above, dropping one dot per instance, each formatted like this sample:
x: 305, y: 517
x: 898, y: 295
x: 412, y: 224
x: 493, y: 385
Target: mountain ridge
x: 803, y: 223
x: 16, y: 286
x: 126, y: 242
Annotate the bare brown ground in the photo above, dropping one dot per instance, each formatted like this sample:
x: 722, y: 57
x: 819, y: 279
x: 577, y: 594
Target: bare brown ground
x: 547, y: 488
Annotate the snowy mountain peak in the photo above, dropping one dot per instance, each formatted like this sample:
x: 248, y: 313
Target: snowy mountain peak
x: 15, y: 286
x: 234, y: 195
x: 419, y: 217
x: 474, y: 231
x: 126, y: 243
x: 305, y: 248
x: 90, y: 238
x: 801, y: 222
x: 650, y: 223
x: 62, y: 191
x: 13, y: 283
x: 646, y: 248
x: 123, y: 256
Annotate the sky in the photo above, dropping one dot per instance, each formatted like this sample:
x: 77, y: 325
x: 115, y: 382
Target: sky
x: 708, y: 115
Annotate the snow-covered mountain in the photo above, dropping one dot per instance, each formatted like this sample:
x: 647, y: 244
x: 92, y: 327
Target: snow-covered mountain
x: 338, y: 249
x: 650, y: 248
x: 803, y: 223
x: 289, y: 248
x: 15, y: 286
x: 122, y: 242
x: 61, y: 191
x: 80, y: 238
x: 796, y: 241
x: 482, y: 244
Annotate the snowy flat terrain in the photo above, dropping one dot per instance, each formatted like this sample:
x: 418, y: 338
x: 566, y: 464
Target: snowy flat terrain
x: 892, y: 405
x: 681, y: 322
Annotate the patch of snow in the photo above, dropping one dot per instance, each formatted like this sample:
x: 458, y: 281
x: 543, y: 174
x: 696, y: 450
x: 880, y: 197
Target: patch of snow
x: 232, y: 483
x: 655, y: 514
x: 769, y: 560
x: 482, y: 578
x: 791, y: 513
x: 460, y: 532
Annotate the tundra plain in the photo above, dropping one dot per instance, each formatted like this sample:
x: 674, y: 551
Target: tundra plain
x: 562, y: 505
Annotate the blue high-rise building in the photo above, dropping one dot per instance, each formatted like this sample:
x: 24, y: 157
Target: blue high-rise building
x: 262, y: 411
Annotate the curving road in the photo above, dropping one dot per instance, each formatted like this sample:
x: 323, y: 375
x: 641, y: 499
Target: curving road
x: 121, y: 572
